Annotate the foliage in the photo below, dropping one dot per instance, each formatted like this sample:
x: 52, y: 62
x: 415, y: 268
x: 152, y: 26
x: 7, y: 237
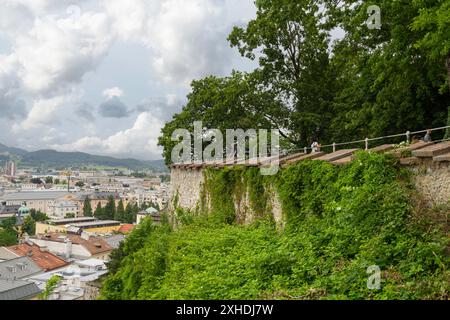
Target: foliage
x: 8, y: 232
x: 108, y: 212
x: 51, y: 285
x: 340, y: 221
x: 98, y: 211
x: 120, y: 212
x: 434, y: 19
x: 29, y: 223
x: 368, y: 83
x: 87, y: 208
x: 8, y: 237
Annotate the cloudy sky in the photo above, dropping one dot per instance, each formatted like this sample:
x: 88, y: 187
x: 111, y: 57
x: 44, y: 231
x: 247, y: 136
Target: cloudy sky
x: 103, y: 76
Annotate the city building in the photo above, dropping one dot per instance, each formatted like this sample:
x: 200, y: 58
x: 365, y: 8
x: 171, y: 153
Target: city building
x: 72, y: 246
x: 38, y: 200
x: 40, y: 256
x: 95, y: 198
x: 11, y: 289
x: 60, y: 225
x: 62, y: 208
x: 150, y: 212
x: 19, y: 268
x: 76, y: 280
x: 78, y: 225
x: 10, y: 169
x: 98, y: 226
x: 8, y: 211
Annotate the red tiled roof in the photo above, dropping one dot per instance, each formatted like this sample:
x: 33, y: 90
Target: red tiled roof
x: 94, y: 245
x: 126, y: 228
x: 44, y: 260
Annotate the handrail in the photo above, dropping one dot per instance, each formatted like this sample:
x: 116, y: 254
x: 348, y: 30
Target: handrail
x: 408, y: 135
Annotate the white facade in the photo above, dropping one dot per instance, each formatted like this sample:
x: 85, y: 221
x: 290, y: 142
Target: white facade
x: 60, y: 209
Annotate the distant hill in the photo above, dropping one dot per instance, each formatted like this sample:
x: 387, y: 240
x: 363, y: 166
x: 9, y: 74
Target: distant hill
x: 10, y: 150
x: 52, y: 158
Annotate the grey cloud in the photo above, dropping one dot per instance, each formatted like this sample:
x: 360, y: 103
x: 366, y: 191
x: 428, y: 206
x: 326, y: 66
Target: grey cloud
x: 160, y: 107
x: 12, y: 108
x: 84, y: 111
x: 113, y: 108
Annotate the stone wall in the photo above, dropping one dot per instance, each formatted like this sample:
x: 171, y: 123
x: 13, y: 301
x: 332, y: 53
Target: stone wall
x: 432, y: 180
x: 186, y: 188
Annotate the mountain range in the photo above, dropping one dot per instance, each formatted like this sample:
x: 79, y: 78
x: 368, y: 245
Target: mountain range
x: 52, y: 158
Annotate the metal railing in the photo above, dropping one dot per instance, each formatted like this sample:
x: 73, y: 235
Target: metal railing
x: 366, y: 141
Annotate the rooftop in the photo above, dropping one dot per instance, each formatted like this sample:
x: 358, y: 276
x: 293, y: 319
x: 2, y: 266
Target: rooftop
x: 94, y: 245
x: 96, y: 196
x: 126, y: 228
x: 44, y: 260
x: 71, y: 220
x: 17, y: 289
x: 34, y: 195
x: 97, y: 223
x: 115, y: 240
x: 18, y: 268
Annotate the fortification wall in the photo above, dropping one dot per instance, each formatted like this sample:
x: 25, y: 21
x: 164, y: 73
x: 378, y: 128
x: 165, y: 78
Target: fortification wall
x: 432, y: 180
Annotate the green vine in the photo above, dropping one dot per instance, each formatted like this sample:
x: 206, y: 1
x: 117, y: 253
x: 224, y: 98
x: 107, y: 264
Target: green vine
x: 224, y: 190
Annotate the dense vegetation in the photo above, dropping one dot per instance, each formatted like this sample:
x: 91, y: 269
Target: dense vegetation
x: 340, y: 221
x: 309, y: 85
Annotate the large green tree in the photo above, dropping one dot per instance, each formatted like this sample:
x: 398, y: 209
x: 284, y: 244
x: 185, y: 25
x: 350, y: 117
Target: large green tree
x: 129, y: 213
x: 366, y: 83
x: 98, y: 213
x: 109, y: 211
x: 8, y: 232
x: 387, y: 84
x: 433, y: 23
x: 290, y: 39
x: 120, y: 212
x: 233, y: 102
x: 87, y: 208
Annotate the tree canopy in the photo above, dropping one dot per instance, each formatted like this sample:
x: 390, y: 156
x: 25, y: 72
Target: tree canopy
x: 311, y: 85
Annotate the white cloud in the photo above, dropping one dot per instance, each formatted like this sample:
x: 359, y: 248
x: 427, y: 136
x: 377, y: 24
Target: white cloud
x: 140, y: 141
x: 42, y: 112
x: 57, y: 44
x: 113, y: 92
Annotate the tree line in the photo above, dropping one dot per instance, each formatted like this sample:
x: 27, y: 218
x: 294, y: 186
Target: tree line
x: 122, y: 213
x: 312, y: 86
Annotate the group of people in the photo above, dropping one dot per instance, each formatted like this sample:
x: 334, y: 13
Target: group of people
x: 426, y: 138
